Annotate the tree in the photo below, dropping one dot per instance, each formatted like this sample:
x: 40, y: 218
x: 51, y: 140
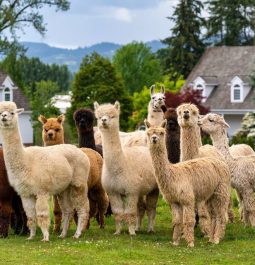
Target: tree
x: 97, y: 81
x: 231, y: 22
x: 137, y: 66
x: 15, y: 14
x: 186, y: 45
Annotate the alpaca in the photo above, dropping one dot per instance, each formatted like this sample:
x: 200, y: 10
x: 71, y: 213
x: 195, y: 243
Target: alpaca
x: 172, y: 134
x: 127, y: 173
x: 11, y: 210
x: 84, y: 119
x: 191, y: 147
x: 155, y: 113
x: 241, y: 150
x: 36, y: 173
x: 52, y: 134
x: 242, y: 168
x: 186, y: 184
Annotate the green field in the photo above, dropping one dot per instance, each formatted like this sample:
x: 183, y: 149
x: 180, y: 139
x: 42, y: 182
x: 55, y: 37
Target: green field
x: 100, y: 246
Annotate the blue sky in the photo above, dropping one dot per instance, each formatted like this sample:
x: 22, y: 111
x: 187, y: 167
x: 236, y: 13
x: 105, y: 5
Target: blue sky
x: 93, y: 21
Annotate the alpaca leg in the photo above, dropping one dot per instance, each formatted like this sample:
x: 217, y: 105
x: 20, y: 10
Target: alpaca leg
x: 43, y: 214
x: 57, y: 215
x: 67, y: 211
x: 102, y: 203
x: 141, y: 207
x: 151, y: 204
x: 130, y: 213
x: 204, y: 218
x: 117, y: 209
x: 79, y: 199
x: 189, y: 223
x: 249, y: 206
x: 29, y: 207
x: 231, y: 216
x: 177, y: 223
x: 5, y: 217
x: 241, y: 206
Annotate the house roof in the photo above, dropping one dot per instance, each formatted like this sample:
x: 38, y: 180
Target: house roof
x: 18, y: 96
x: 220, y: 65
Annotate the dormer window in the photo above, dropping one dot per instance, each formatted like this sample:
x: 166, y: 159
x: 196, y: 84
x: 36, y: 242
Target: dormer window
x: 7, y: 95
x: 237, y: 90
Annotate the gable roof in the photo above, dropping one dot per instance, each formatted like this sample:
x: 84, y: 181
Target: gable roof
x: 18, y: 96
x: 223, y: 64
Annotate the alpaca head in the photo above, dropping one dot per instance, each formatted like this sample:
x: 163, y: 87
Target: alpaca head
x: 187, y: 115
x: 213, y: 123
x: 170, y: 116
x: 53, y: 131
x: 155, y: 134
x: 9, y: 114
x: 107, y: 116
x: 84, y: 119
x: 157, y: 99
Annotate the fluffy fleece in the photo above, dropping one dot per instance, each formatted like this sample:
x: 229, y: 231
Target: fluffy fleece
x: 98, y: 198
x: 127, y: 173
x: 186, y: 184
x: 36, y: 173
x: 242, y: 168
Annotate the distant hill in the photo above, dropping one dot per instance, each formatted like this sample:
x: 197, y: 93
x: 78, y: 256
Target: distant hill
x: 73, y: 57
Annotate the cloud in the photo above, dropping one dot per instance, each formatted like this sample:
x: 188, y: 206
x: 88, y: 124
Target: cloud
x: 122, y: 14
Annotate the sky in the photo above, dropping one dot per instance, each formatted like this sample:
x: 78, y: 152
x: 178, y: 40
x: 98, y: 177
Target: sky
x: 88, y: 22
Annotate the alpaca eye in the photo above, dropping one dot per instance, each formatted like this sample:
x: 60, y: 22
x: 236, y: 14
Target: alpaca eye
x: 210, y: 120
x: 161, y: 133
x: 112, y: 117
x: 46, y: 130
x: 153, y: 97
x: 57, y: 130
x: 12, y: 113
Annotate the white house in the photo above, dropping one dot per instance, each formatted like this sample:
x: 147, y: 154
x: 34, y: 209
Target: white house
x: 10, y: 92
x: 223, y: 75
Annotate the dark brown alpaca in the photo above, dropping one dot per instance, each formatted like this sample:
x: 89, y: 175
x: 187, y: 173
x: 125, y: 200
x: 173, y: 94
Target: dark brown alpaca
x: 84, y: 120
x: 11, y: 210
x: 172, y: 135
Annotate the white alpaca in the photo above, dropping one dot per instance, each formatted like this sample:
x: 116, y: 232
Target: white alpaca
x: 242, y: 168
x: 36, y: 173
x: 127, y: 174
x: 155, y: 113
x: 186, y: 184
x: 241, y: 150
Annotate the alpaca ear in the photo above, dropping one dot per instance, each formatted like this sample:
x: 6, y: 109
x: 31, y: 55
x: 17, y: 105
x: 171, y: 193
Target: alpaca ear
x: 226, y: 124
x: 96, y: 105
x: 19, y: 111
x: 162, y: 89
x: 164, y: 108
x: 117, y: 105
x: 42, y: 119
x: 61, y: 118
x: 152, y: 88
x: 147, y: 124
x: 163, y: 124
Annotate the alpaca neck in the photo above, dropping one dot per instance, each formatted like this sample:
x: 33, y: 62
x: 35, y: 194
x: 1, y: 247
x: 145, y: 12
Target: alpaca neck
x: 55, y: 142
x: 220, y: 141
x: 163, y: 170
x: 14, y: 151
x: 86, y: 139
x: 155, y: 116
x: 173, y: 146
x: 112, y: 148
x: 199, y: 139
x: 189, y: 143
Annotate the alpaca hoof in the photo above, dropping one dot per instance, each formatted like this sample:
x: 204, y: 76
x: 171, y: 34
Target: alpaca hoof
x: 76, y: 236
x: 150, y: 231
x: 61, y: 236
x: 30, y: 238
x: 191, y: 245
x: 175, y: 243
x: 45, y: 240
x: 117, y: 233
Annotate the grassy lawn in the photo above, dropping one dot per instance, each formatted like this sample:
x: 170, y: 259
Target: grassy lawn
x: 102, y: 247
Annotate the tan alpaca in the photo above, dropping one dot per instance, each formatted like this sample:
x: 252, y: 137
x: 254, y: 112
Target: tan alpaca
x: 242, y: 168
x: 36, y: 173
x: 52, y: 134
x: 191, y: 147
x: 128, y: 173
x: 186, y: 184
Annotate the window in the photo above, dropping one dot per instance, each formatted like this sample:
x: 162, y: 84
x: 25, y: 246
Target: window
x: 237, y: 93
x: 7, y: 94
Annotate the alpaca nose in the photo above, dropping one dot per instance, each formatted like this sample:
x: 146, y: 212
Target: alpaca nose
x: 50, y: 135
x: 104, y: 120
x: 154, y: 139
x: 186, y: 114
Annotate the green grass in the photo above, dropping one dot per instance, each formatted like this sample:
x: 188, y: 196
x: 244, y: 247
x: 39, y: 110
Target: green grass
x: 100, y: 246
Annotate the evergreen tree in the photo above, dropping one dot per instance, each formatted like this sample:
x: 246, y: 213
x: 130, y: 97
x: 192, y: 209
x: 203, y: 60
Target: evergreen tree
x: 137, y: 66
x: 231, y: 22
x: 97, y: 81
x: 185, y: 43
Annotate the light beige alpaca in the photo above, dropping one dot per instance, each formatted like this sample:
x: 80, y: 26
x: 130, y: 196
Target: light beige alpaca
x: 127, y: 173
x: 241, y: 150
x: 186, y: 184
x: 36, y: 173
x: 191, y: 147
x: 53, y: 134
x: 242, y: 168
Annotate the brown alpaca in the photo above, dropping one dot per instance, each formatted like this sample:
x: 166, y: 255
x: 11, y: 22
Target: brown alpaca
x: 53, y: 134
x: 186, y: 184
